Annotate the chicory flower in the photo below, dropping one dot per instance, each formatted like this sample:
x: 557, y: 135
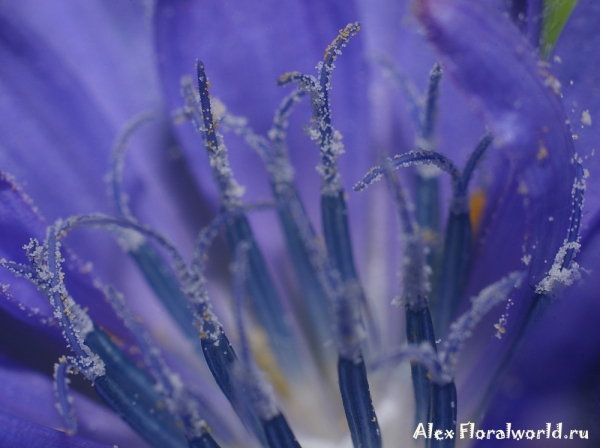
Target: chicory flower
x: 63, y: 104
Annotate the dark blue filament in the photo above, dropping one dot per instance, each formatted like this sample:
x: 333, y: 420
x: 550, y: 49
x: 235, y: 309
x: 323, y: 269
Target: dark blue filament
x: 360, y: 414
x: 279, y: 434
x: 457, y: 244
x: 221, y: 359
x: 166, y: 287
x: 266, y: 302
x: 419, y: 329
x: 354, y: 387
x: 132, y: 381
x: 137, y: 414
x: 443, y: 414
x: 428, y: 189
x: 204, y: 441
x: 274, y: 154
x: 155, y: 269
x: 431, y: 99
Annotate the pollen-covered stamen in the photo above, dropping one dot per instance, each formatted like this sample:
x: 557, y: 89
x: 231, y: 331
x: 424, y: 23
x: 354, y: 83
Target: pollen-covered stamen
x: 333, y: 203
x: 106, y: 358
x: 266, y: 303
x: 329, y: 140
x: 415, y: 276
x: 191, y: 285
x: 204, y: 122
x: 564, y: 269
x: 405, y: 160
x: 278, y: 132
x: 74, y: 321
x: 155, y: 269
x: 459, y: 198
x: 273, y: 150
x: 274, y: 154
x: 458, y: 230
x: 415, y: 269
x: 430, y: 111
x: 457, y: 244
x: 118, y: 159
x: 278, y: 166
x: 461, y: 329
x: 64, y: 404
x: 354, y: 386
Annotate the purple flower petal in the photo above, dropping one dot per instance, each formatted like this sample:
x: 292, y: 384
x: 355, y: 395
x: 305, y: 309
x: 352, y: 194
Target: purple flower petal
x: 17, y: 432
x: 576, y: 64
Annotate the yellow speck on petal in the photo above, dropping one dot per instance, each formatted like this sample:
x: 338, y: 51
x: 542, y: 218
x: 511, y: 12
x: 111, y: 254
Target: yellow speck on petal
x: 543, y: 151
x: 476, y: 204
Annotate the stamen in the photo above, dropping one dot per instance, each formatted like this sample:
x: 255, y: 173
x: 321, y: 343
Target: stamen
x: 415, y: 276
x: 346, y: 292
x: 431, y: 109
x: 461, y: 329
x: 405, y: 160
x: 443, y: 413
x: 203, y: 120
x: 563, y: 269
x: 456, y: 256
x: 118, y: 159
x: 136, y: 414
x: 132, y: 380
x: 457, y: 244
x: 329, y: 141
x: 333, y: 204
x: 274, y: 154
x: 266, y: 302
x: 155, y: 270
x: 61, y: 388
